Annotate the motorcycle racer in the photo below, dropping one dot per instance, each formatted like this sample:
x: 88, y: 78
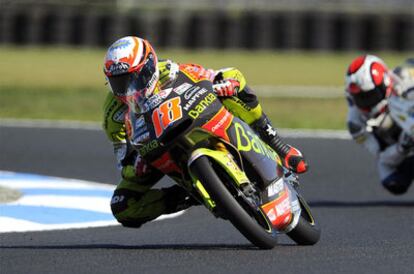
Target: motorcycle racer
x: 134, y: 73
x: 369, y: 85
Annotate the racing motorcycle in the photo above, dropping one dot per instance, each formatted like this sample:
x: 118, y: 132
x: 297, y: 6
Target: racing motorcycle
x: 187, y: 133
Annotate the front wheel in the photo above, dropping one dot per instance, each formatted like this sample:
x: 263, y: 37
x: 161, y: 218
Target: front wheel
x: 306, y: 232
x: 252, y: 224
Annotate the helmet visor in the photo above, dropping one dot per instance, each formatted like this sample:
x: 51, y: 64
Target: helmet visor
x: 141, y: 79
x: 369, y: 99
x: 119, y: 84
x: 135, y: 82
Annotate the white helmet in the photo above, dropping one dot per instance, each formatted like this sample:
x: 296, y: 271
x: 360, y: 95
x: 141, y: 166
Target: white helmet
x: 368, y: 83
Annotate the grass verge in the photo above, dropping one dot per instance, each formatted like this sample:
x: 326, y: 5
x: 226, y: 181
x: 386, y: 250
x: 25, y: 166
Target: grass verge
x: 62, y: 83
x: 85, y: 104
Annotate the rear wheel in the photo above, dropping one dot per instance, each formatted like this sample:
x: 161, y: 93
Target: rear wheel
x: 306, y: 232
x: 251, y: 223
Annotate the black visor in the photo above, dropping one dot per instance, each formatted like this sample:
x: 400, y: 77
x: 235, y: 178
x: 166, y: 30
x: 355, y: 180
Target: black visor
x: 369, y: 99
x: 129, y: 84
x: 119, y: 84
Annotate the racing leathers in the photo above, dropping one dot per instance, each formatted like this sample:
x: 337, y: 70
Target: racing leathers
x: 383, y: 138
x: 135, y: 201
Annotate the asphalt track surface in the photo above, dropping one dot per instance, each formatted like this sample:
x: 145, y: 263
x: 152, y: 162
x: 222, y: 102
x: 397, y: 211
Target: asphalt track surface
x: 364, y: 229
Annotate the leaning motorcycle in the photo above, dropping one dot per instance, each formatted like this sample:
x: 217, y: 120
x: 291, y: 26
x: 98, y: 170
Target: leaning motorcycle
x: 401, y: 110
x: 187, y: 133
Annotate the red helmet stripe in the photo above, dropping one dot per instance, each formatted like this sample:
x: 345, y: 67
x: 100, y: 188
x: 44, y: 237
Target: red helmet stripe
x: 356, y: 64
x: 377, y: 73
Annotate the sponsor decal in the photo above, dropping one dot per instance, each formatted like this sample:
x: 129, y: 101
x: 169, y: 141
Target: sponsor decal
x: 247, y: 141
x: 279, y: 211
x: 117, y: 199
x: 140, y: 122
x: 118, y: 68
x: 220, y: 123
x: 110, y: 111
x: 275, y: 187
x: 282, y: 207
x: 152, y: 102
x: 119, y: 114
x: 202, y: 105
x: 182, y: 88
x: 156, y: 99
x: 195, y: 93
x: 151, y: 84
x: 141, y: 137
x: 147, y: 148
x: 271, y: 214
x: 191, y: 92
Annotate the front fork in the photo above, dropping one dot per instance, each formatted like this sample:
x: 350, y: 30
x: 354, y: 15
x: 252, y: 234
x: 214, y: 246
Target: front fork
x: 225, y: 159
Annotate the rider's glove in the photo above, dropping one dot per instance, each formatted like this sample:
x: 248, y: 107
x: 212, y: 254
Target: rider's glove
x: 138, y: 168
x: 227, y: 88
x: 294, y: 160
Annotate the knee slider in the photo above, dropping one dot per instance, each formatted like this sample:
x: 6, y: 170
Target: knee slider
x: 120, y: 203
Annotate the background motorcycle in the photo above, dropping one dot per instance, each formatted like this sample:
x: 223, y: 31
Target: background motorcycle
x: 401, y: 109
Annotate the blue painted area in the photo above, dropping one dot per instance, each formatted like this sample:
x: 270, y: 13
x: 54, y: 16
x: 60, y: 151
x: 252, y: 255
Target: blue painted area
x: 52, y: 215
x: 67, y: 192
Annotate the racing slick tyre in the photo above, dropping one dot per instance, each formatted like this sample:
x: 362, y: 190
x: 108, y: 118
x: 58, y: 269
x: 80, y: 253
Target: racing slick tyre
x: 251, y: 224
x: 306, y: 232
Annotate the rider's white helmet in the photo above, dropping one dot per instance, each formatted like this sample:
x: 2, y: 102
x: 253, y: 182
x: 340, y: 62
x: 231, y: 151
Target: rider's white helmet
x: 368, y: 84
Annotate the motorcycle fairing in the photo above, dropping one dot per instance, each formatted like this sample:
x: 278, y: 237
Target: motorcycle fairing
x: 402, y: 111
x: 226, y: 161
x: 265, y: 162
x: 283, y: 209
x: 203, y: 118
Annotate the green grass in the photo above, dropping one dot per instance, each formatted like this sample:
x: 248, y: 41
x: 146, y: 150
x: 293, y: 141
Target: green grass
x: 306, y: 113
x: 45, y: 83
x: 84, y: 104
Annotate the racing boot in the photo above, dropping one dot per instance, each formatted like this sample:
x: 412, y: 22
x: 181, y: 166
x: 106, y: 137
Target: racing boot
x: 291, y: 158
x: 177, y: 199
